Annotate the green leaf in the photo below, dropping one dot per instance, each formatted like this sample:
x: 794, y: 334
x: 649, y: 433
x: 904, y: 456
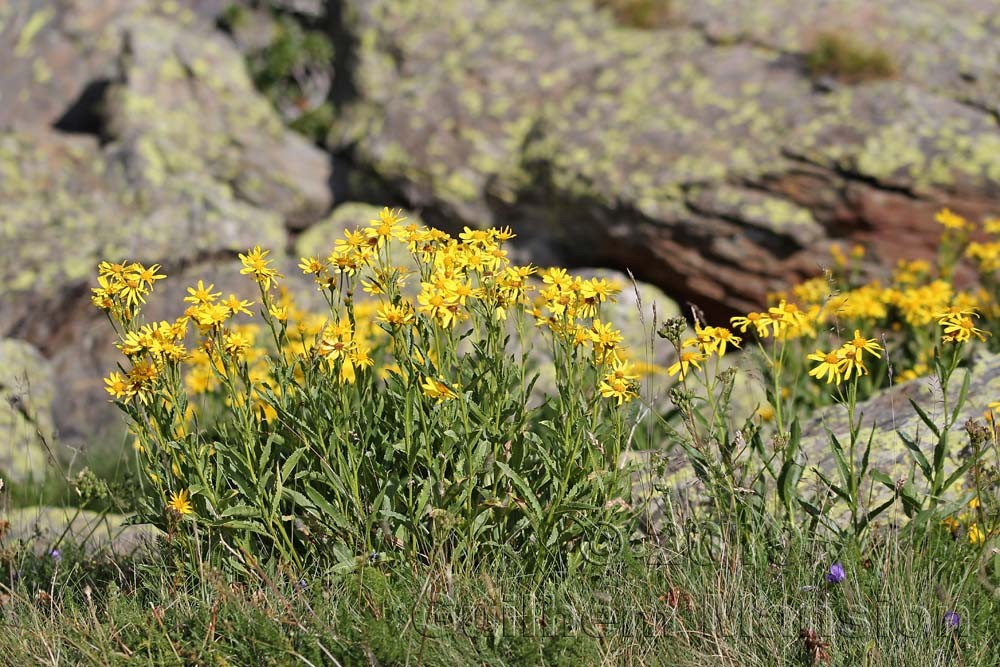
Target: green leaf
x: 917, y: 455
x: 882, y: 478
x: 525, y: 489
x: 833, y: 487
x: 926, y: 419
x: 328, y: 511
x: 962, y: 395
x: 962, y: 469
x: 838, y: 457
x: 869, y: 516
x: 290, y: 462
x: 239, y: 510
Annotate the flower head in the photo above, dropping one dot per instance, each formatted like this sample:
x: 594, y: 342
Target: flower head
x: 180, y: 502
x: 832, y: 366
x: 255, y: 263
x: 836, y: 574
x: 952, y: 620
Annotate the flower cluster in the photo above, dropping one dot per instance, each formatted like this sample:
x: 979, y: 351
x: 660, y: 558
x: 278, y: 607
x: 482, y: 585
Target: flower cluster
x: 122, y: 287
x: 845, y: 362
x: 706, y: 342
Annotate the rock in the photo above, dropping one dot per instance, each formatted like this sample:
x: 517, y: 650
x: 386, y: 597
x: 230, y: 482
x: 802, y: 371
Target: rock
x: 702, y: 156
x: 46, y: 528
x: 26, y: 426
x: 67, y: 208
x: 186, y: 112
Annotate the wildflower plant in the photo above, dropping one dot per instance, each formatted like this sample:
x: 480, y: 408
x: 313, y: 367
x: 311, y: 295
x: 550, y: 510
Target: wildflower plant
x: 398, y: 423
x: 836, y: 339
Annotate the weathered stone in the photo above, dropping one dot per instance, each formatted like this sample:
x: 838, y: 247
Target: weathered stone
x: 185, y: 111
x: 702, y: 156
x: 46, y: 528
x: 26, y: 426
x: 65, y: 211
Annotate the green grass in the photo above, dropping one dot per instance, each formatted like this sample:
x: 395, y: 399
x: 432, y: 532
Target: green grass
x: 641, y: 14
x: 676, y: 604
x: 843, y: 57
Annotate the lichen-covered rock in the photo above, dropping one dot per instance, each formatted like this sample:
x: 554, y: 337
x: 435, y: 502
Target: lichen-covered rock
x: 63, y: 213
x: 185, y: 112
x: 702, y: 156
x: 59, y: 56
x: 46, y: 528
x: 26, y: 428
x: 187, y: 161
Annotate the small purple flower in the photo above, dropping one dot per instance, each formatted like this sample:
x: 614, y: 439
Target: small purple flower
x: 952, y: 619
x: 836, y: 574
x: 303, y: 584
x: 56, y: 556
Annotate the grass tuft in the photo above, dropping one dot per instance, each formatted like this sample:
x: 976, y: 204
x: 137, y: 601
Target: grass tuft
x: 841, y: 56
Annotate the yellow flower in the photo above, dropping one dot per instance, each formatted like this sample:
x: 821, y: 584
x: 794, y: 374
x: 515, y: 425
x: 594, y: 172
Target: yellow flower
x: 312, y: 266
x: 236, y: 343
x: 118, y: 386
x: 255, y: 263
x: 976, y: 535
x: 856, y: 347
x: 616, y: 388
x: 832, y: 365
x: 438, y: 306
x: 201, y: 295
x: 715, y: 339
x: 604, y: 338
x: 974, y: 503
x: 438, y: 389
x: 961, y: 330
x: 147, y: 276
x: 237, y: 306
x: 180, y: 503
x: 950, y: 220
x: 759, y: 321
x: 684, y: 363
x: 395, y: 314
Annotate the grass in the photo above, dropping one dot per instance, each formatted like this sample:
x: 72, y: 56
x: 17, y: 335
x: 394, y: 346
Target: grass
x: 641, y: 14
x: 842, y: 57
x: 736, y: 603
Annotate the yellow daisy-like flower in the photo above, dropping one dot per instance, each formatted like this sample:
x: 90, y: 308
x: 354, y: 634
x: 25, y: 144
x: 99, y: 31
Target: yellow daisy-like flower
x: 684, y: 363
x: 950, y: 220
x: 759, y: 322
x: 616, y: 389
x: 976, y: 534
x: 856, y: 347
x: 118, y: 386
x: 255, y: 263
x: 201, y: 295
x: 180, y: 503
x: 832, y: 366
x: 437, y: 389
x: 395, y: 315
x: 237, y: 305
x: 961, y: 330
